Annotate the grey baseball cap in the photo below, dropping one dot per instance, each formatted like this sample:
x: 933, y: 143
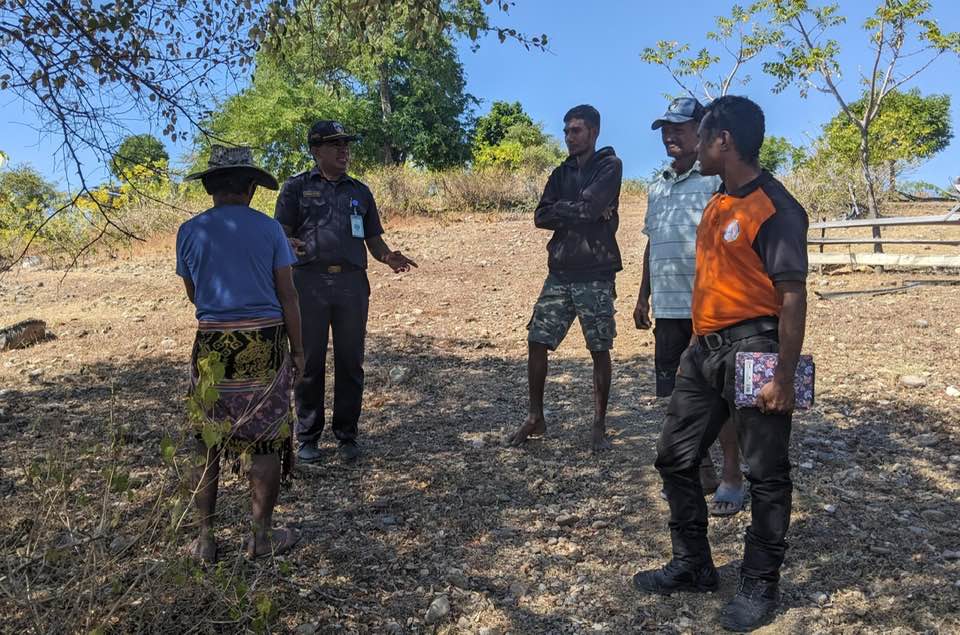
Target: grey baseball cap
x: 681, y: 110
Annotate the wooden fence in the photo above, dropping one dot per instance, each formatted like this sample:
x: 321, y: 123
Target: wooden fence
x: 951, y: 218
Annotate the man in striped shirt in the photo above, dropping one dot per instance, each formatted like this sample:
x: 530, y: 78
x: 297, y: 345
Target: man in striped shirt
x: 675, y: 203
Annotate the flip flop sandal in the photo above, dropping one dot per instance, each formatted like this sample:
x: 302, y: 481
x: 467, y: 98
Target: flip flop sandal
x: 726, y: 494
x: 289, y: 542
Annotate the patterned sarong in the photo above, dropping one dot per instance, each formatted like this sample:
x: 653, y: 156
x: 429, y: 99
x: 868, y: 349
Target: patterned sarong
x: 254, y: 394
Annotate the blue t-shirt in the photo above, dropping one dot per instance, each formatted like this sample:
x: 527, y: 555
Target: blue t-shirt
x: 230, y: 254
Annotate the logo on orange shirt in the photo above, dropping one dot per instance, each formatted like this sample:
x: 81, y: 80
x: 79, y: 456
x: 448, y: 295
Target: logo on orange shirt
x: 732, y: 232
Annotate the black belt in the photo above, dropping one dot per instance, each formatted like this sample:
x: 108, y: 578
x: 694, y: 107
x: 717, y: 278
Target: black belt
x: 338, y: 268
x: 740, y: 331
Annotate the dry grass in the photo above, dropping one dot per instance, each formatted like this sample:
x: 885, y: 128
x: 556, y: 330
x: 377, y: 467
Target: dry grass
x: 89, y: 537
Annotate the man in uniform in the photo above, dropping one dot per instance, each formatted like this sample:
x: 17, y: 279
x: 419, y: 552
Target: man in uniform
x: 332, y: 221
x: 749, y: 295
x: 579, y: 204
x: 675, y: 202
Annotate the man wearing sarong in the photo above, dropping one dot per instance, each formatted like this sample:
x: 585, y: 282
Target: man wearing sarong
x: 236, y: 266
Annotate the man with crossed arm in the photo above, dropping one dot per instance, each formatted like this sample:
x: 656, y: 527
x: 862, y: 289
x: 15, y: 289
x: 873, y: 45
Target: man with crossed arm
x: 580, y: 205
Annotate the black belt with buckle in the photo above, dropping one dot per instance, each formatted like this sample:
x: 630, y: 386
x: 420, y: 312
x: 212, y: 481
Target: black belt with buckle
x: 339, y: 268
x: 740, y: 331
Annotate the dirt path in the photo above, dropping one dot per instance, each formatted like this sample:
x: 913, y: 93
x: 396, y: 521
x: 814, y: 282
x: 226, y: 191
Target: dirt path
x: 439, y: 507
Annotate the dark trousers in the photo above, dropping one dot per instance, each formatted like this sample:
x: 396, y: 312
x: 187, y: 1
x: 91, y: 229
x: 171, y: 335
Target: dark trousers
x: 671, y: 337
x: 701, y: 403
x: 337, y: 302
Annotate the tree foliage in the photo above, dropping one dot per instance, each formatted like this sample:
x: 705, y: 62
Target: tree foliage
x: 741, y: 37
x: 507, y: 138
x: 903, y: 39
x: 908, y: 128
x: 25, y: 197
x: 87, y: 68
x: 138, y: 150
x: 777, y: 154
x: 492, y: 127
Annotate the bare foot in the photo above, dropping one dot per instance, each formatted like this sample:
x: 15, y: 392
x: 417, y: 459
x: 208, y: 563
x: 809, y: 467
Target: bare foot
x: 599, y: 441
x: 277, y: 541
x: 534, y: 426
x: 204, y: 549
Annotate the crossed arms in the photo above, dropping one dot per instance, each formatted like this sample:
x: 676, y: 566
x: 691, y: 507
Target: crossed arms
x: 595, y: 203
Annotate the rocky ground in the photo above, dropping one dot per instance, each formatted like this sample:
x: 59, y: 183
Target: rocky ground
x: 441, y: 528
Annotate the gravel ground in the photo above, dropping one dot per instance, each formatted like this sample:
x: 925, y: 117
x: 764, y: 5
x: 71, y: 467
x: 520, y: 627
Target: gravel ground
x: 441, y: 528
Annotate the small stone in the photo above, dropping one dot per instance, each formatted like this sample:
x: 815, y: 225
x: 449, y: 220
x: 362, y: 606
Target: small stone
x: 567, y: 520
x: 913, y: 381
x: 168, y: 344
x: 933, y: 516
x: 807, y: 465
x: 399, y: 374
x: 438, y: 611
x: 456, y: 578
x: 878, y: 549
x: 820, y: 598
x: 142, y: 346
x: 306, y: 629
x: 600, y: 524
x: 388, y: 521
x: 490, y: 630
x: 119, y: 544
x: 393, y: 628
x: 830, y: 508
x: 951, y: 555
x: 626, y: 570
x: 922, y: 324
x: 953, y: 391
x: 518, y: 590
x: 927, y: 440
x: 36, y: 373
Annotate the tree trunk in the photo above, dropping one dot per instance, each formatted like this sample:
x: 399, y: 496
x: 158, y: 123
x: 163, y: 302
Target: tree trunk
x: 386, y: 109
x: 873, y: 207
x: 892, y: 178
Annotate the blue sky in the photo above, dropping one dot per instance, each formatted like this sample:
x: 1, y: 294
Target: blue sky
x: 594, y: 57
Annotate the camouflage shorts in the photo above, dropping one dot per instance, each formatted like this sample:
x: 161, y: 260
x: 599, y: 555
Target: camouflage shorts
x: 561, y: 302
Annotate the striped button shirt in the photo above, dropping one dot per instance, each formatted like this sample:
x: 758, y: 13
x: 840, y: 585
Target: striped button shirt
x: 675, y: 203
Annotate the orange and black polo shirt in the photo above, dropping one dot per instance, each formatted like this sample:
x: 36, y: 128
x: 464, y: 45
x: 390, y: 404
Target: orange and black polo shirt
x: 747, y: 241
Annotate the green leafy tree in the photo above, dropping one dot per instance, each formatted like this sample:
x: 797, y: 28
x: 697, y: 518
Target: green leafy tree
x: 903, y: 40
x: 492, y: 127
x: 138, y: 150
x: 777, y: 154
x: 416, y: 81
x: 274, y: 115
x: 507, y: 138
x: 87, y: 68
x: 25, y: 198
x: 908, y: 129
x: 738, y: 38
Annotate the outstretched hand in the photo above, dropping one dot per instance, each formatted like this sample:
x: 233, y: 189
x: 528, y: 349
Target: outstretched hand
x: 398, y: 262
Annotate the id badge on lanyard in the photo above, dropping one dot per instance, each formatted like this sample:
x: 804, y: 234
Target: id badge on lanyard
x: 356, y: 220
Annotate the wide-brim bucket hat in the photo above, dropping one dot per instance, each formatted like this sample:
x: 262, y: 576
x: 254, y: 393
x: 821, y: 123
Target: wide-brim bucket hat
x: 235, y: 159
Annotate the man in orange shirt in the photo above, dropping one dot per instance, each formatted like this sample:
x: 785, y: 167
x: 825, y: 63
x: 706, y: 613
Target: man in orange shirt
x: 749, y: 296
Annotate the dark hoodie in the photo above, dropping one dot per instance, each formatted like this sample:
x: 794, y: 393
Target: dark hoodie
x: 584, y: 245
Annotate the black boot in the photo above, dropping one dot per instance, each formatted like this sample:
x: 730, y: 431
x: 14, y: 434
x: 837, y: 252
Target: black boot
x: 752, y: 606
x: 678, y: 576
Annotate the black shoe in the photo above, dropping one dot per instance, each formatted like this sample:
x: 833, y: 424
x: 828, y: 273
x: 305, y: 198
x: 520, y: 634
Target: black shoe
x: 678, y: 576
x: 309, y: 453
x: 752, y: 606
x: 350, y: 451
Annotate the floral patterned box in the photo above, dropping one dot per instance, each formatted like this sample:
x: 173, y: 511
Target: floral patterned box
x: 755, y: 370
